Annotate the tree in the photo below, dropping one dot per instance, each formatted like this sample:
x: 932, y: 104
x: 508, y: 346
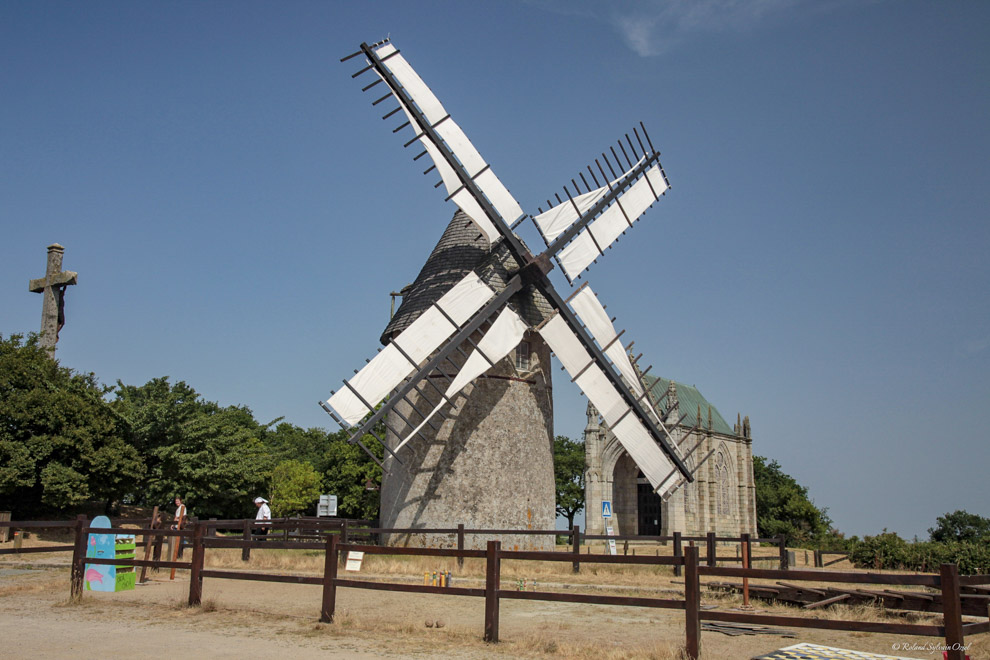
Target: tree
x: 959, y: 526
x: 568, y: 472
x: 783, y: 507
x: 347, y: 471
x: 211, y: 456
x: 295, y: 488
x: 288, y: 441
x: 61, y: 444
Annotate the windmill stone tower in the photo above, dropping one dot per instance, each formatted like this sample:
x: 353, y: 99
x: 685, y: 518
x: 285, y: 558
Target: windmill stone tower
x: 489, y: 464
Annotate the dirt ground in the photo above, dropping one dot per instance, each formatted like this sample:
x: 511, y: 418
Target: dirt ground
x: 241, y: 619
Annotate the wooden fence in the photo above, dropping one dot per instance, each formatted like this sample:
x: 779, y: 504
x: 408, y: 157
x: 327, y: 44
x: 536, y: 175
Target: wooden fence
x: 336, y: 544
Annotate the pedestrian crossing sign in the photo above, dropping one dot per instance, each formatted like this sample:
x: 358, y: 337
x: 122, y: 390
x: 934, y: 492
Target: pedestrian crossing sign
x: 606, y: 509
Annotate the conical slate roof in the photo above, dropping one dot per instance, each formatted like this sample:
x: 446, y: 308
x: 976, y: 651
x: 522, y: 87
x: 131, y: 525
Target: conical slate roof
x: 461, y: 249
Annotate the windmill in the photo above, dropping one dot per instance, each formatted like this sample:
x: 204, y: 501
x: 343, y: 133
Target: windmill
x: 474, y: 325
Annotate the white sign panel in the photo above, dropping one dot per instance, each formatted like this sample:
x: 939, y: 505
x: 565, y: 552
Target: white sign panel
x: 327, y: 506
x: 354, y: 559
x: 611, y: 542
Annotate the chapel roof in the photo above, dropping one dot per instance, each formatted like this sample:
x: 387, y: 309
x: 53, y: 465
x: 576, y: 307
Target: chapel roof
x: 689, y: 399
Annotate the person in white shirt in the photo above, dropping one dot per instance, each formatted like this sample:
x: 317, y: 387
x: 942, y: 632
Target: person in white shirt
x: 264, y: 515
x: 180, y: 514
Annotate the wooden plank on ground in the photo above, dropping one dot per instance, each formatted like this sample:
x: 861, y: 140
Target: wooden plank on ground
x: 827, y: 601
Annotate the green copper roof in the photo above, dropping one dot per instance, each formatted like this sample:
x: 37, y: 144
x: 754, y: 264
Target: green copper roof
x: 689, y: 398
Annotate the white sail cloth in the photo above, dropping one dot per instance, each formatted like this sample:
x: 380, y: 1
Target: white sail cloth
x: 592, y: 313
x: 390, y: 367
x: 603, y: 230
x: 627, y: 427
x: 504, y: 335
x: 556, y: 220
x: 473, y: 164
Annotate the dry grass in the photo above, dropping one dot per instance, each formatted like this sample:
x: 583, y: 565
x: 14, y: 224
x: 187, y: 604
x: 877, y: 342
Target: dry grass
x: 49, y: 586
x: 542, y: 645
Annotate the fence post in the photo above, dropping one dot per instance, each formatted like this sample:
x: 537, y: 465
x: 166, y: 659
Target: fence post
x: 195, y: 571
x: 181, y: 541
x: 329, y: 580
x: 782, y: 547
x: 493, y: 571
x: 692, y: 604
x: 246, y: 550
x: 952, y: 612
x: 710, y: 538
x: 342, y: 557
x: 460, y: 544
x: 576, y: 547
x: 149, y: 541
x: 747, y: 548
x: 678, y: 552
x: 747, y: 559
x: 159, y: 541
x: 211, y: 530
x: 78, y: 559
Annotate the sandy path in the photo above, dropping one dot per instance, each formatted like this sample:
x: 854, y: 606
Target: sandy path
x: 252, y: 619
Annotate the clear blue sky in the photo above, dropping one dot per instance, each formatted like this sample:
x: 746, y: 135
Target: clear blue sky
x: 238, y: 213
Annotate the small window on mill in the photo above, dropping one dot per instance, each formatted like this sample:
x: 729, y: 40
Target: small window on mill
x: 522, y: 356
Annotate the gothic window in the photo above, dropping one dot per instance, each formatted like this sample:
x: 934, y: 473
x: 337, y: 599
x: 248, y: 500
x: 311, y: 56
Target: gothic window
x: 722, y: 481
x: 522, y: 356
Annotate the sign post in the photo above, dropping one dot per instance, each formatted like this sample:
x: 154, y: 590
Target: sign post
x: 607, y: 516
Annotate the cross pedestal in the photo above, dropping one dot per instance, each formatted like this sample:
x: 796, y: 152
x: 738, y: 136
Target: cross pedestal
x: 52, y: 285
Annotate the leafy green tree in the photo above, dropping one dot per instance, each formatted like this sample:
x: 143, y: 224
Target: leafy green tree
x: 212, y: 456
x: 61, y: 444
x: 287, y: 441
x: 959, y: 526
x: 783, y: 507
x: 347, y: 471
x: 885, y: 550
x: 295, y: 488
x: 568, y: 472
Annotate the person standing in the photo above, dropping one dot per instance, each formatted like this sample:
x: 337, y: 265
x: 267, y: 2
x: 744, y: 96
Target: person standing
x: 264, y: 515
x: 175, y: 543
x: 180, y: 514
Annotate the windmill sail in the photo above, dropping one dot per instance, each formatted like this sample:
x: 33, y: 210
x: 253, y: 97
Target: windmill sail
x: 413, y: 345
x: 592, y: 313
x: 579, y: 235
x: 555, y: 221
x: 503, y: 336
x: 601, y: 232
x: 627, y: 427
x: 431, y: 123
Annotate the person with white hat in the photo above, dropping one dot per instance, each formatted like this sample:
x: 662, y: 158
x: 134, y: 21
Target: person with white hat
x: 264, y: 515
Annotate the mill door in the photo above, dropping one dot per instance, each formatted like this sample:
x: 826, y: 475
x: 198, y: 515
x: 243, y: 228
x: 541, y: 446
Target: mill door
x: 648, y: 508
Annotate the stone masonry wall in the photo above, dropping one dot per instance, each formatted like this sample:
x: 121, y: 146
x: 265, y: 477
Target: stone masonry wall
x: 489, y: 465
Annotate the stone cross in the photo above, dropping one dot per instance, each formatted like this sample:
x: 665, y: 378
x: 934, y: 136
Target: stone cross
x: 52, y: 285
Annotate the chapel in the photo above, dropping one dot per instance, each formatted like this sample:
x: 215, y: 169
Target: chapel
x: 721, y: 499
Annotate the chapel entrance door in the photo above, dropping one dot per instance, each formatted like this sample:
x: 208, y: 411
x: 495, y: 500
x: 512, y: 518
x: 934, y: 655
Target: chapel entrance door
x: 648, y: 508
